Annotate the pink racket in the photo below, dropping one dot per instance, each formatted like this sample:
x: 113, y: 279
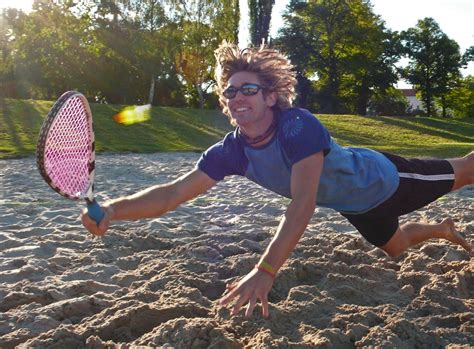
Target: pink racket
x: 65, y: 152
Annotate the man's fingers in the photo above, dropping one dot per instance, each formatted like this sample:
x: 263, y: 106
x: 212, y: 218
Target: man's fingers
x: 240, y: 302
x: 228, y: 297
x: 265, y: 312
x: 104, y: 225
x: 224, y: 300
x: 88, y: 223
x: 94, y: 228
x: 250, y: 289
x: 250, y: 306
x: 231, y: 285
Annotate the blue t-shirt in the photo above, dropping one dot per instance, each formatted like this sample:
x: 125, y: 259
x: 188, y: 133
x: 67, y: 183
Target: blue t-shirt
x: 353, y: 180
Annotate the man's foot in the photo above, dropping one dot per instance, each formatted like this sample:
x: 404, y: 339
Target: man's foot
x: 450, y: 233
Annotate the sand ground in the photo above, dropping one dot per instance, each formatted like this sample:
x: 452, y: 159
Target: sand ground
x: 156, y: 283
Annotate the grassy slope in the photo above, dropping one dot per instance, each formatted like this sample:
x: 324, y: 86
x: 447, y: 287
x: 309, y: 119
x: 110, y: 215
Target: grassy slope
x: 178, y: 129
x: 407, y: 136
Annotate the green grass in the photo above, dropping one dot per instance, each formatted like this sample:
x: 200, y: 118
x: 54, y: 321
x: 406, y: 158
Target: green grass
x: 408, y: 136
x: 180, y: 129
x: 170, y: 129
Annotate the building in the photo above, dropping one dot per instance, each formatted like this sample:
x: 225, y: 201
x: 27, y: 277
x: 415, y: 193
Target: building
x: 410, y: 95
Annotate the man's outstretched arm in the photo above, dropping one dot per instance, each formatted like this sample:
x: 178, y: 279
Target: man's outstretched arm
x: 151, y: 202
x: 255, y: 286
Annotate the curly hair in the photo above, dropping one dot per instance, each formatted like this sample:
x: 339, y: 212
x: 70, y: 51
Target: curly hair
x: 272, y: 67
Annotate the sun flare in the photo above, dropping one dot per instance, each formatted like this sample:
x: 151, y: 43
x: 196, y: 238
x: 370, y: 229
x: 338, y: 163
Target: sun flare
x: 24, y: 5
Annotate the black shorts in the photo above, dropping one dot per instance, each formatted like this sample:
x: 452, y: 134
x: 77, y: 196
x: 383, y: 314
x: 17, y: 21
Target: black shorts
x: 422, y: 181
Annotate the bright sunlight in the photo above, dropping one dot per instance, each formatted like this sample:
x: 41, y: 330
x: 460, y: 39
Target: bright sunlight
x: 24, y: 5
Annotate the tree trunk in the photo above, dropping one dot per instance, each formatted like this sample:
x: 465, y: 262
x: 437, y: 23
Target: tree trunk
x: 201, y: 96
x: 304, y: 90
x: 151, y: 93
x: 237, y: 14
x: 428, y: 101
x: 332, y: 105
x: 260, y: 13
x: 443, y: 106
x: 363, y: 98
x: 428, y: 106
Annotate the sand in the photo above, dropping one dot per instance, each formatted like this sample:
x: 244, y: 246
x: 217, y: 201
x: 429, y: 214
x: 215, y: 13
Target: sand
x: 157, y: 282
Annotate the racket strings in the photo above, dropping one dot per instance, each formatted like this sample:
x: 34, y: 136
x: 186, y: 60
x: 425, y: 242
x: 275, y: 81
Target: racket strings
x: 68, y: 149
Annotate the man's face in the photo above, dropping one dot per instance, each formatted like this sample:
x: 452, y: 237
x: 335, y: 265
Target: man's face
x: 246, y: 110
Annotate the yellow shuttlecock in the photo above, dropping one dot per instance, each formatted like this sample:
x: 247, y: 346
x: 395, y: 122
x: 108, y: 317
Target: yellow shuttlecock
x: 133, y: 115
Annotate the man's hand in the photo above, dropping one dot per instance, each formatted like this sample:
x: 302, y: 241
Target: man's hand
x: 252, y: 288
x: 92, y: 226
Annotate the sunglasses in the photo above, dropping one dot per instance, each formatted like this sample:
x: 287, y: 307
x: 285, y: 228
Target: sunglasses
x: 246, y: 89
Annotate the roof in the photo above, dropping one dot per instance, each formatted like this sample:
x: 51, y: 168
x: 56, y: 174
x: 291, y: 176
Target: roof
x: 408, y: 92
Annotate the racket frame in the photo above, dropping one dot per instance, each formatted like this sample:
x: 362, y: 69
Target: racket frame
x: 93, y: 207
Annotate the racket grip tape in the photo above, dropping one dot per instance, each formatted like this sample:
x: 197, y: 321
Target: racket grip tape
x: 94, y: 211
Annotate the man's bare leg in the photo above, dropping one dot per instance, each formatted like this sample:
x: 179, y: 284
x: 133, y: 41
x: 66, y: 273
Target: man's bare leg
x: 411, y: 234
x: 463, y: 170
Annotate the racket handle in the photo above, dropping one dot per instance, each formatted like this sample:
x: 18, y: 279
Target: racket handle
x: 94, y: 211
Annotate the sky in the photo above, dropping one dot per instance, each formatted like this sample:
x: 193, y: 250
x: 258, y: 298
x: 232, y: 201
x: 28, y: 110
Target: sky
x: 455, y: 17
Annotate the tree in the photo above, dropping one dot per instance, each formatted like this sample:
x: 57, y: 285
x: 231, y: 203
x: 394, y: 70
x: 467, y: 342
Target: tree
x: 320, y: 27
x: 435, y: 62
x: 7, y: 81
x: 203, y: 24
x: 343, y: 48
x: 468, y: 56
x: 448, y: 71
x: 370, y: 63
x: 293, y: 38
x: 460, y: 99
x: 50, y: 50
x: 116, y: 51
x: 260, y: 15
x: 156, y: 41
x: 118, y: 77
x: 135, y: 52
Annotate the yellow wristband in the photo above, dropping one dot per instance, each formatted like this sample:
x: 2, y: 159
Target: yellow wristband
x: 260, y: 268
x: 268, y: 266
